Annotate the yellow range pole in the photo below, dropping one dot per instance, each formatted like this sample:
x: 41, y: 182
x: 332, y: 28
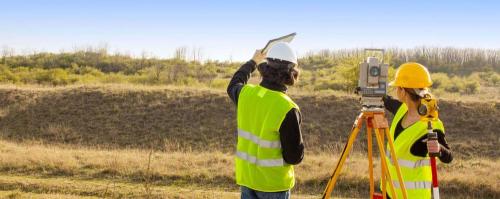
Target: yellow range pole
x: 396, y: 164
x: 382, y: 158
x: 370, y: 160
x: 345, y: 153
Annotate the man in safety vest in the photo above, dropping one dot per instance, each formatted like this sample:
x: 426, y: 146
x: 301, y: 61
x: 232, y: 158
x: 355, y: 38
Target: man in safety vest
x: 409, y: 133
x: 269, y: 136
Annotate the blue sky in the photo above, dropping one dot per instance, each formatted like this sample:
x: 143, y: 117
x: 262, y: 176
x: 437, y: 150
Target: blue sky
x: 233, y: 29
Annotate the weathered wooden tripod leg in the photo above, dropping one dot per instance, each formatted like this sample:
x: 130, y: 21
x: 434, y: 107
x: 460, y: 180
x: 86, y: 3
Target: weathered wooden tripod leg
x: 345, y: 153
x: 380, y: 144
x: 396, y: 164
x: 369, y: 135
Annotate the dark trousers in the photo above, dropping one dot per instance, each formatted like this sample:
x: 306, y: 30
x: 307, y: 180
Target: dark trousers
x: 247, y: 193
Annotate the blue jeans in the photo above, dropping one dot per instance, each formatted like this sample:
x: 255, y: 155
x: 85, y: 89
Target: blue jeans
x: 247, y: 193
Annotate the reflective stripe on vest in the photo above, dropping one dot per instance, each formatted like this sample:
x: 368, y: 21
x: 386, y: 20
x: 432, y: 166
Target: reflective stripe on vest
x: 259, y: 162
x: 414, y: 185
x: 408, y: 163
x: 255, y: 139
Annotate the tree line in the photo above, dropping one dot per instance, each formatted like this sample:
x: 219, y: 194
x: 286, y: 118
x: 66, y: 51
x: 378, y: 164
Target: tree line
x: 459, y: 70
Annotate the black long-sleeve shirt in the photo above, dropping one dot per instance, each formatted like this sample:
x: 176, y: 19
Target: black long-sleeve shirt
x: 290, y: 133
x: 419, y: 148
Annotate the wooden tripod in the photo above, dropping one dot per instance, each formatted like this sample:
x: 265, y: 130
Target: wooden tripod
x: 376, y: 122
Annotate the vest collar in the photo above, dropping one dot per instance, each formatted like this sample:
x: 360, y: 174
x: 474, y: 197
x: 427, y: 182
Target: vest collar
x: 410, y: 133
x: 266, y: 83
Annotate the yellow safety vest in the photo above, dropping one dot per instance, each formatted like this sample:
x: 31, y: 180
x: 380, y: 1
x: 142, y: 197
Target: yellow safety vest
x: 416, y: 171
x: 259, y: 161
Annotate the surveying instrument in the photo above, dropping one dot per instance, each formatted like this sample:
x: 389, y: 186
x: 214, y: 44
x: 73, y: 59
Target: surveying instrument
x: 372, y: 87
x: 428, y: 111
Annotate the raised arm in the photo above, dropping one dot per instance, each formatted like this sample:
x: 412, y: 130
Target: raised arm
x: 240, y: 78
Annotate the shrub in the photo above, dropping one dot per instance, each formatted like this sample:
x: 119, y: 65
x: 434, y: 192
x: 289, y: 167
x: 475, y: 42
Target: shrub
x: 57, y: 77
x: 219, y: 83
x: 454, y: 86
x: 188, y: 81
x: 440, y: 80
x: 87, y: 70
x: 140, y: 79
x: 7, y: 76
x: 490, y: 78
x: 114, y: 78
x: 471, y: 87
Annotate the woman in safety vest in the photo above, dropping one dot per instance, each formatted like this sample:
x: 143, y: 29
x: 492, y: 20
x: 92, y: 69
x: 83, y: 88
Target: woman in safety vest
x: 269, y: 134
x: 410, y: 134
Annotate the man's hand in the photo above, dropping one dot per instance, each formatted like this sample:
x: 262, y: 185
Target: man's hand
x: 258, y: 57
x: 433, y: 147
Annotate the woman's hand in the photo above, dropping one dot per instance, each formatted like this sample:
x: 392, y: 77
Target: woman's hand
x: 258, y: 57
x: 433, y: 147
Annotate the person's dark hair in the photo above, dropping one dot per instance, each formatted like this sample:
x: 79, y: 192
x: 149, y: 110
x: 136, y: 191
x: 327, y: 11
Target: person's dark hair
x: 413, y: 95
x: 278, y: 71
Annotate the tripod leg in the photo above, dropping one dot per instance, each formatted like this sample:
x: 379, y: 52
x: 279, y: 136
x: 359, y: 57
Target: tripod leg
x: 396, y: 164
x: 345, y: 153
x: 383, y: 177
x: 380, y: 144
x: 370, y: 160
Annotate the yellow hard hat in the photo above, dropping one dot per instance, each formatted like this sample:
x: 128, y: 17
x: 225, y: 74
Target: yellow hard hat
x: 412, y: 75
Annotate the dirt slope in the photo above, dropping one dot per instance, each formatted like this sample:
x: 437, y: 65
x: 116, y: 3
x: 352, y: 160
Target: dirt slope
x: 194, y: 119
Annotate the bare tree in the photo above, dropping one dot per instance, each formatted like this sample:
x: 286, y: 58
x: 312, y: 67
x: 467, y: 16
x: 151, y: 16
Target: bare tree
x: 197, y: 54
x: 144, y: 57
x: 158, y: 68
x: 6, y: 52
x: 180, y: 53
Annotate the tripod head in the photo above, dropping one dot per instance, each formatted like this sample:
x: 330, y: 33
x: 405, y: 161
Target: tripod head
x: 375, y: 109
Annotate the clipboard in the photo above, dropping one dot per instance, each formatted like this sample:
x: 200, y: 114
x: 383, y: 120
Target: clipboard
x: 287, y: 38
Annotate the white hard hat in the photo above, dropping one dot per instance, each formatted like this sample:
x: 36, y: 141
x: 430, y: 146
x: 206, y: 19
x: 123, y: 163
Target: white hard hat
x: 282, y: 51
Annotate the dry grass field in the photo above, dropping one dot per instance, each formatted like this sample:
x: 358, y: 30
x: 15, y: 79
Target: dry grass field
x: 124, y: 141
